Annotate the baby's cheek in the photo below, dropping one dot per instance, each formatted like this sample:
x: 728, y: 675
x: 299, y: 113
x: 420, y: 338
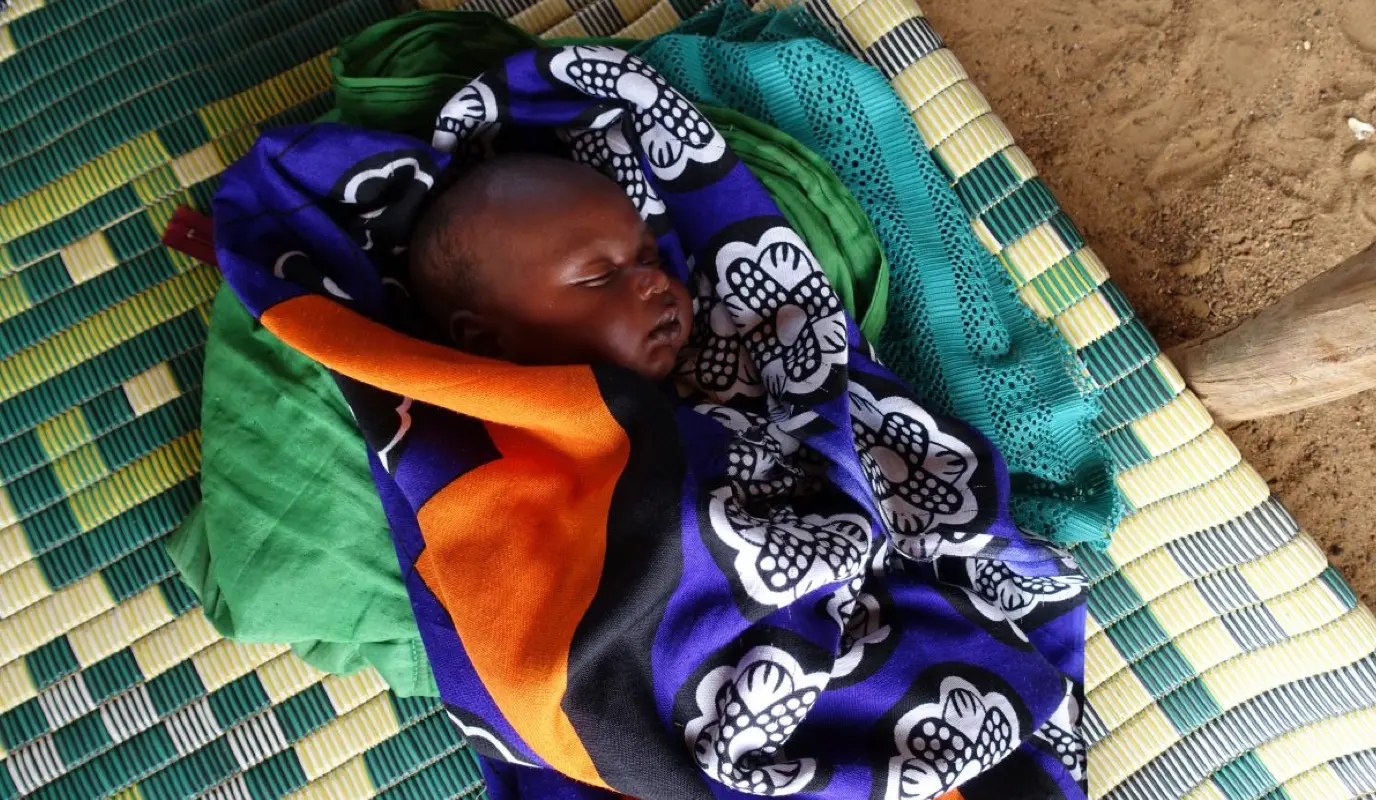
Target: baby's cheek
x: 623, y: 338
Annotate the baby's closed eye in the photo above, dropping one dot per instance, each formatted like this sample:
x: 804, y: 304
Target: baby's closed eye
x: 597, y: 280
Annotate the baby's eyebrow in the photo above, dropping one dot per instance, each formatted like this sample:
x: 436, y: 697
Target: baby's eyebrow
x: 595, y: 263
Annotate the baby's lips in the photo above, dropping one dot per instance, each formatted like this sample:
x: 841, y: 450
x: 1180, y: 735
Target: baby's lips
x: 668, y: 332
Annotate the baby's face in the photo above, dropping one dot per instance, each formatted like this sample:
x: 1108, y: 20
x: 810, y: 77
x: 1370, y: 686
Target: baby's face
x: 574, y: 278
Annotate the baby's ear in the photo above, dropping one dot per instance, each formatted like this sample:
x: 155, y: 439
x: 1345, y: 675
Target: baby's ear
x: 470, y: 332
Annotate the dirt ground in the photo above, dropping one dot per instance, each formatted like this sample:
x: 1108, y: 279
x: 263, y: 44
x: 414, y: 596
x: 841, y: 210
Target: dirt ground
x: 1203, y: 147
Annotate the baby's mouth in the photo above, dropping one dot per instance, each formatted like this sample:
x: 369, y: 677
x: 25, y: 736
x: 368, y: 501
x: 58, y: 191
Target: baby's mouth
x: 668, y: 328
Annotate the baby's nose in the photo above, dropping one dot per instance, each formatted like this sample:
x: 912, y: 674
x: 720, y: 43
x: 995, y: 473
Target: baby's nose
x: 650, y: 282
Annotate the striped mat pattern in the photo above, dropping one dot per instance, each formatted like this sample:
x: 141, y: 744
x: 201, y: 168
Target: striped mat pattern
x: 1225, y: 659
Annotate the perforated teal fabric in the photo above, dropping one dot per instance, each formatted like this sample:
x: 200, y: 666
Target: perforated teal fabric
x: 955, y: 329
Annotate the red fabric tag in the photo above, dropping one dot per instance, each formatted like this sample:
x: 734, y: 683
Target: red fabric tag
x: 191, y: 232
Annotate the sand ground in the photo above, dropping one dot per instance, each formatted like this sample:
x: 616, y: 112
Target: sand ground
x: 1203, y: 147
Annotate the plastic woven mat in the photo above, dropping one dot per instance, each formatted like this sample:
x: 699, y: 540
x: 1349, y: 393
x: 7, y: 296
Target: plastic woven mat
x: 1225, y: 658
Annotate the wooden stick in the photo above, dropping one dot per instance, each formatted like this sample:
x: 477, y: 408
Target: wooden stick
x: 1315, y: 345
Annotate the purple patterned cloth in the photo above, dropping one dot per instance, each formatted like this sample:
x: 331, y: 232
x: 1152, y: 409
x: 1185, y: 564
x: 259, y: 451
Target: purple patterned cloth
x: 808, y: 584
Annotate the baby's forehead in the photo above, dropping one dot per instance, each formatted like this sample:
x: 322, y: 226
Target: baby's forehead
x: 533, y: 206
x: 514, y: 189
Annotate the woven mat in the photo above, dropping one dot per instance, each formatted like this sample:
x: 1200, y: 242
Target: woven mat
x: 1225, y: 658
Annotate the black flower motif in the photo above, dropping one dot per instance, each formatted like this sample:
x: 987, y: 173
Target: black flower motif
x: 381, y: 198
x: 787, y: 316
x: 746, y: 714
x: 784, y: 555
x: 947, y: 742
x: 920, y: 475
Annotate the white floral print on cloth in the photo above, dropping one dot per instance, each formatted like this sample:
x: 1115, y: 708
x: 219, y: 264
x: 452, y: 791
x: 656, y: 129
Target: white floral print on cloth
x: 862, y: 623
x: 1001, y: 593
x: 468, y: 117
x: 766, y: 459
x: 609, y: 152
x: 671, y: 131
x: 1063, y: 736
x: 362, y: 185
x: 945, y: 743
x: 920, y: 474
x: 714, y: 359
x: 746, y: 712
x: 782, y: 557
x: 787, y: 316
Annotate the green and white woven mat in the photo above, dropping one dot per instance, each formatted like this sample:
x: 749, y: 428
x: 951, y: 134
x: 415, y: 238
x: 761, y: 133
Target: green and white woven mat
x: 1225, y: 658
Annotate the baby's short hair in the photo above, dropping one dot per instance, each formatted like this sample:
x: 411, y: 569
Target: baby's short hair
x: 440, y: 260
x: 444, y: 262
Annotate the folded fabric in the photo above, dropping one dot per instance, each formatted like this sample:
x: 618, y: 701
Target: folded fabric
x: 290, y: 544
x: 786, y: 577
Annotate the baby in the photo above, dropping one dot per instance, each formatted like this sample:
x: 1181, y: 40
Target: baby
x: 543, y: 261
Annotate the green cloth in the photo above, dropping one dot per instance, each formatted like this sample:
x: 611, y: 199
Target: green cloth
x: 290, y: 543
x: 396, y: 74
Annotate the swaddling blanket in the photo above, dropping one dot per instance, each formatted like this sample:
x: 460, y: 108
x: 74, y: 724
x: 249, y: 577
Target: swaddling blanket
x: 778, y: 575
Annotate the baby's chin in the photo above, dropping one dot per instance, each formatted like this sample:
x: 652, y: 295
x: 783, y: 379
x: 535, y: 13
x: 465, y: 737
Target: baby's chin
x: 659, y: 363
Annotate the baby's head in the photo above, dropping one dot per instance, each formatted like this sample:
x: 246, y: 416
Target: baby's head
x: 543, y: 261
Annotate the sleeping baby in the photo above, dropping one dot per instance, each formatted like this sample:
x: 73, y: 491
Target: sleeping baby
x: 543, y: 261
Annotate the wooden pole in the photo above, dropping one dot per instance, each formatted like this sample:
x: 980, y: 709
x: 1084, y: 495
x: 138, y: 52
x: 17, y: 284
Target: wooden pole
x: 1315, y: 345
